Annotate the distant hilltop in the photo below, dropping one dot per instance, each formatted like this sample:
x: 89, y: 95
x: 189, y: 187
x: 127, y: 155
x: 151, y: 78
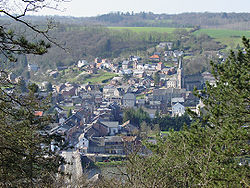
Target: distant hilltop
x: 223, y: 20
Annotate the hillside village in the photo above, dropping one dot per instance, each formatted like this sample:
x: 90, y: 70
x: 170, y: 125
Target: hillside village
x: 90, y: 115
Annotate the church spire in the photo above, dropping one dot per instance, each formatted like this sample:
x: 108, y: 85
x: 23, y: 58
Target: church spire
x: 180, y: 75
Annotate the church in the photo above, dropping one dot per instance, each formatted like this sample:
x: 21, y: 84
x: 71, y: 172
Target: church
x: 189, y: 82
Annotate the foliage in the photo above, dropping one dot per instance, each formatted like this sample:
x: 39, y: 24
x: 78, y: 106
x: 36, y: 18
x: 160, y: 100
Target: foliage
x: 49, y: 87
x: 69, y: 113
x: 26, y: 156
x: 136, y: 117
x: 156, y: 78
x: 167, y: 123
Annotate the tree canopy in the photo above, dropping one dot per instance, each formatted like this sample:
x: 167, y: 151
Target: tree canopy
x: 26, y: 156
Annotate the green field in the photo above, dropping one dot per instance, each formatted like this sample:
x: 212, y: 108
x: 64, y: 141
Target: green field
x: 229, y: 37
x: 147, y: 29
x: 222, y: 33
x: 100, y: 77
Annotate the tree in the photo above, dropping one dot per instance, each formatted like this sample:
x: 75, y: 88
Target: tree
x: 156, y: 78
x: 213, y: 151
x: 33, y: 88
x: 69, y: 113
x: 49, y: 87
x: 136, y: 117
x: 26, y: 157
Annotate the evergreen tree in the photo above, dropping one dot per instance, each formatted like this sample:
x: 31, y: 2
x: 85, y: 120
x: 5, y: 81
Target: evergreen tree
x: 26, y: 157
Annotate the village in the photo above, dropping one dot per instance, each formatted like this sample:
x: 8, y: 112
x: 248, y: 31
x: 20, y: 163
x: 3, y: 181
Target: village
x: 90, y: 116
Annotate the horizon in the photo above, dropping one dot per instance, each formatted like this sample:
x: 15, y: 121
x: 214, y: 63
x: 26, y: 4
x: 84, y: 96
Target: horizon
x: 79, y: 8
x: 45, y: 15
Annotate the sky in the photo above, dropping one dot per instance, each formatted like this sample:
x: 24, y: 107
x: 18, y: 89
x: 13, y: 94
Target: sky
x: 85, y: 8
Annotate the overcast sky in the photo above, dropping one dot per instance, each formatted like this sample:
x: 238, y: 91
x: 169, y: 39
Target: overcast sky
x: 80, y: 8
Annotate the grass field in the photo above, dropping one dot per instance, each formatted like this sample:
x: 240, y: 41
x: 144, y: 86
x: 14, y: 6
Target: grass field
x: 147, y: 29
x: 100, y: 77
x: 221, y: 33
x: 229, y: 37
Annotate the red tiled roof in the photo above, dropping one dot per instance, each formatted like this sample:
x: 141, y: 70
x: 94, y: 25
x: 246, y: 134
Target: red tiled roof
x: 38, y: 113
x: 155, y: 57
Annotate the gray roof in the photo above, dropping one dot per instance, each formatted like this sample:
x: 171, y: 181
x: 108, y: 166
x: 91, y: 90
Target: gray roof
x: 179, y: 99
x: 110, y: 124
x: 129, y: 96
x: 113, y: 139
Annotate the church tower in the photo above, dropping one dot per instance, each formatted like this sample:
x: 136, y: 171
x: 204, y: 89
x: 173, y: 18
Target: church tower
x: 180, y: 76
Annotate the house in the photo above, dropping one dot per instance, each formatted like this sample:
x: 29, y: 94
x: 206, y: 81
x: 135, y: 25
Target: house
x: 165, y: 95
x: 106, y: 145
x: 154, y: 58
x: 140, y: 66
x: 99, y: 65
x: 177, y: 100
x: 128, y: 129
x: 116, y: 145
x: 162, y: 45
x: 54, y: 74
x: 135, y: 58
x: 126, y: 65
x: 129, y: 100
x: 178, y: 109
x: 172, y: 82
x: 98, y: 60
x: 125, y: 72
x: 208, y: 77
x: 60, y: 87
x: 68, y: 91
x: 96, y: 129
x: 159, y: 66
x: 83, y: 143
x: 81, y: 63
x: 169, y: 45
x: 116, y: 80
x: 12, y: 77
x: 108, y: 91
x: 56, y: 108
x: 139, y: 73
x: 113, y: 127
x: 33, y: 67
x: 60, y: 68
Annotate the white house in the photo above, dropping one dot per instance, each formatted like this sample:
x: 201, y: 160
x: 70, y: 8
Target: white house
x: 178, y: 109
x: 81, y: 63
x: 83, y: 143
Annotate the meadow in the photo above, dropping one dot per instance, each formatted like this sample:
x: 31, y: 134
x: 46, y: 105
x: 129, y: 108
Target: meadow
x: 146, y: 29
x: 100, y: 77
x: 231, y: 38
